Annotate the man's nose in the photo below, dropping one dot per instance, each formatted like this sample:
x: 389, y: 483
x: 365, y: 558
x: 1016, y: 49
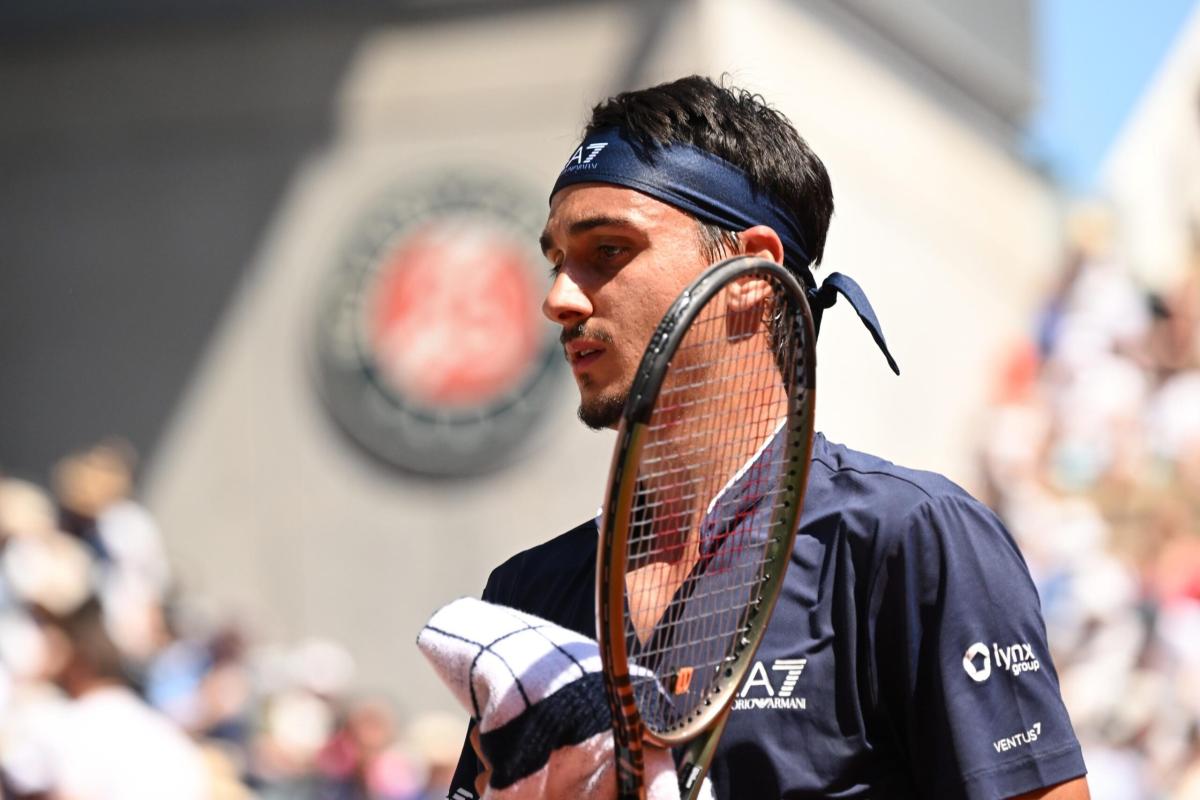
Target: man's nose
x: 565, y: 303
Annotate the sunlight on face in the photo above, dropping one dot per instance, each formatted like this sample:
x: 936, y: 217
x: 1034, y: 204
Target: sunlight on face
x: 620, y: 259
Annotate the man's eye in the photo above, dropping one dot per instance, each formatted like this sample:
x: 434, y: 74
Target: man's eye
x: 610, y: 250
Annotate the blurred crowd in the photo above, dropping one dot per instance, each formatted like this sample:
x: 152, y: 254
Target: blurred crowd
x: 1092, y: 458
x: 116, y: 685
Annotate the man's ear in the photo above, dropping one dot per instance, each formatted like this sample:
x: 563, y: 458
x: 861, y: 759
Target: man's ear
x: 745, y: 293
x: 763, y: 242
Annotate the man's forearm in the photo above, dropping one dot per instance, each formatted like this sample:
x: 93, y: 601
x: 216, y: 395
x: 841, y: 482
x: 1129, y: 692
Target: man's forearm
x: 1074, y: 789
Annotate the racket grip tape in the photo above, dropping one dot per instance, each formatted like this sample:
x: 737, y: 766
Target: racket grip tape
x: 627, y: 740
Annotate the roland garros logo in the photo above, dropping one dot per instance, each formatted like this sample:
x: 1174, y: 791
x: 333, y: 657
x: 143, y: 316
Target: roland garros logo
x: 447, y: 315
x: 431, y: 350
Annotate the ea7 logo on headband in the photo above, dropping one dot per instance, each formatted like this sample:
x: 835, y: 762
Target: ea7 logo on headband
x: 579, y: 159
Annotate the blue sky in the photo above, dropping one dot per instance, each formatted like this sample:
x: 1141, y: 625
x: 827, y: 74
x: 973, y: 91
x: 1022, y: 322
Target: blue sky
x: 1094, y: 59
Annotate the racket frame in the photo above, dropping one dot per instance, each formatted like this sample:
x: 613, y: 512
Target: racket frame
x: 628, y: 727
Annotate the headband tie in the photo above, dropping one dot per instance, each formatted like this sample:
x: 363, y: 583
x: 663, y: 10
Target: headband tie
x: 718, y: 193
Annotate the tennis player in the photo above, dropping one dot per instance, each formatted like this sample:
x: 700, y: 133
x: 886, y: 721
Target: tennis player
x: 907, y: 656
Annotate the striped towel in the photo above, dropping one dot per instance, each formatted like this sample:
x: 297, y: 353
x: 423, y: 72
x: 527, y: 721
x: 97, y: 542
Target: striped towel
x: 537, y: 693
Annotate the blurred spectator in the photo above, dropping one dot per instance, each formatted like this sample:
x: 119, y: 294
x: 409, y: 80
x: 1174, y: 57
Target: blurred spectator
x: 24, y: 509
x: 363, y: 760
x: 113, y: 684
x: 1093, y: 459
x: 105, y: 743
x: 438, y: 739
x: 93, y: 488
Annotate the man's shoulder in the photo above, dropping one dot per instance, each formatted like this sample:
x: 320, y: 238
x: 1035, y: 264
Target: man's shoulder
x: 846, y: 473
x: 889, y: 505
x: 561, y: 559
x: 565, y: 549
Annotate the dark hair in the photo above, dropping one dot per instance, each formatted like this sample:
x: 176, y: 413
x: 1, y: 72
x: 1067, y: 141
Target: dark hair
x: 739, y: 127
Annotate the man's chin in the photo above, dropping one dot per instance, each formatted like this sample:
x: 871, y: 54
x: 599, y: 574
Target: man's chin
x: 602, y: 412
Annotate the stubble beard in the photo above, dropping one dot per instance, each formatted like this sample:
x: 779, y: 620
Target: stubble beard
x: 603, y: 411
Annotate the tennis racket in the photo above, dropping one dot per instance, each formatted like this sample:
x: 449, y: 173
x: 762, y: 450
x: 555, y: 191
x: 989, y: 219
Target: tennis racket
x: 704, y: 496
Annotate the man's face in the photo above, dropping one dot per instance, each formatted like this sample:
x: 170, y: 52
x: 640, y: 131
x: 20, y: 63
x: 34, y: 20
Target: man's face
x: 619, y: 260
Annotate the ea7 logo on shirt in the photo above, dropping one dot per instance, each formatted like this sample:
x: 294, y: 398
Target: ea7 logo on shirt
x: 759, y: 690
x: 583, y: 156
x: 1014, y: 659
x: 1017, y: 740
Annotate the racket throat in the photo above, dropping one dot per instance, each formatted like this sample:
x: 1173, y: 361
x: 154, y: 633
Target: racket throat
x: 696, y: 756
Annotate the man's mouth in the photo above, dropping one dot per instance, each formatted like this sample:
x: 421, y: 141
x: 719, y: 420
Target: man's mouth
x: 583, y: 354
x: 584, y: 346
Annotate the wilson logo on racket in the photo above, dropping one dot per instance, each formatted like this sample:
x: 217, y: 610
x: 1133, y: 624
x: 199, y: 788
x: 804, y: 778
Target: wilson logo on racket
x: 683, y: 680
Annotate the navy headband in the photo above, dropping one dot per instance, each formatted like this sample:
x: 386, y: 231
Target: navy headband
x: 715, y: 192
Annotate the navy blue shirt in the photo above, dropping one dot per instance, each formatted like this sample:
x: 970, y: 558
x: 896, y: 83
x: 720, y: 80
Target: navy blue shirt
x: 906, y: 657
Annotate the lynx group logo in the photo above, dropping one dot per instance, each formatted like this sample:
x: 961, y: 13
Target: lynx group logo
x: 1015, y: 659
x: 431, y: 352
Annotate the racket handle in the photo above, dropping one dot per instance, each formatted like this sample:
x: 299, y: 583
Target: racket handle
x: 631, y: 765
x: 697, y: 756
x: 630, y: 783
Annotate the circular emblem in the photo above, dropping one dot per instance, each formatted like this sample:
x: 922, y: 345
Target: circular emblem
x: 431, y: 349
x: 980, y: 673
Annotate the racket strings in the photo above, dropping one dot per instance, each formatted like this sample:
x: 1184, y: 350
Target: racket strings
x: 710, y: 396
x: 703, y: 436
x: 704, y: 512
x: 651, y: 506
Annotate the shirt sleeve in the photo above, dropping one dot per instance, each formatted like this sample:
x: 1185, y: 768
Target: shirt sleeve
x: 462, y: 785
x: 961, y: 662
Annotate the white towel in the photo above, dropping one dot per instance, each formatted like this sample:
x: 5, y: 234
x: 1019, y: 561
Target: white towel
x: 536, y: 692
